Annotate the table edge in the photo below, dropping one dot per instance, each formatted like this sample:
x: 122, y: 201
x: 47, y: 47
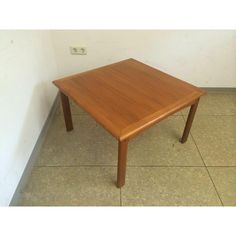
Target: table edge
x: 136, y: 128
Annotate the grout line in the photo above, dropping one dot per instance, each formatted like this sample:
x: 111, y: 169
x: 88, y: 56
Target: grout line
x: 162, y: 166
x: 206, y: 168
x: 210, y: 176
x: 132, y: 166
x: 53, y: 166
x: 221, y: 166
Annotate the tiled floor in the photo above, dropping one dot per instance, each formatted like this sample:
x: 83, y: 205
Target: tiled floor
x: 79, y: 167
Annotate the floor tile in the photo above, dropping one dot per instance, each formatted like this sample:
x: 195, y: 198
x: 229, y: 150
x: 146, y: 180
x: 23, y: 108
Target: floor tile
x: 216, y: 104
x: 215, y: 137
x: 87, y: 144
x: 224, y: 179
x: 71, y: 186
x: 91, y: 144
x: 168, y: 186
x: 160, y: 146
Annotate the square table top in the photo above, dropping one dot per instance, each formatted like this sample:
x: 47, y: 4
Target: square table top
x: 128, y: 96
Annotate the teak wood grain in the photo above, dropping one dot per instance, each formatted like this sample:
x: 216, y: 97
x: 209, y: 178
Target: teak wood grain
x: 127, y: 97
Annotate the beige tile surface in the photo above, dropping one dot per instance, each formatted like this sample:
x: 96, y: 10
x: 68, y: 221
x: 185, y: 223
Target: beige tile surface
x: 87, y: 144
x: 169, y: 186
x: 215, y: 137
x: 225, y: 182
x: 90, y: 144
x: 71, y: 186
x: 216, y: 104
x: 86, y: 158
x: 160, y: 146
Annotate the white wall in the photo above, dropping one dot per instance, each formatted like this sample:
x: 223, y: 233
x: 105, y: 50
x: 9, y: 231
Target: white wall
x: 204, y: 58
x: 27, y: 67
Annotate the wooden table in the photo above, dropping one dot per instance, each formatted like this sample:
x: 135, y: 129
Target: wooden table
x: 126, y: 98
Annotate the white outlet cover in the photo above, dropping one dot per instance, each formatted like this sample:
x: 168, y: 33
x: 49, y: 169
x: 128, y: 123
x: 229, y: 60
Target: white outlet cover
x: 78, y: 50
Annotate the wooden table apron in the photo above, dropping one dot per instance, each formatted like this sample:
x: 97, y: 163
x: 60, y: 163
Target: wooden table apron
x: 130, y: 131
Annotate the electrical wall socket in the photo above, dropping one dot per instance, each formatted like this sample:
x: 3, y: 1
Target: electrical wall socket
x: 78, y: 50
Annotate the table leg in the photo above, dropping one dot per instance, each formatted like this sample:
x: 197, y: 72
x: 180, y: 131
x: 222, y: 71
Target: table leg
x: 122, y: 157
x: 189, y: 121
x: 66, y: 111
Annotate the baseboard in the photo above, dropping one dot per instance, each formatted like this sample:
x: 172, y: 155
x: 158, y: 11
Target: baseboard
x: 220, y: 89
x: 35, y: 153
